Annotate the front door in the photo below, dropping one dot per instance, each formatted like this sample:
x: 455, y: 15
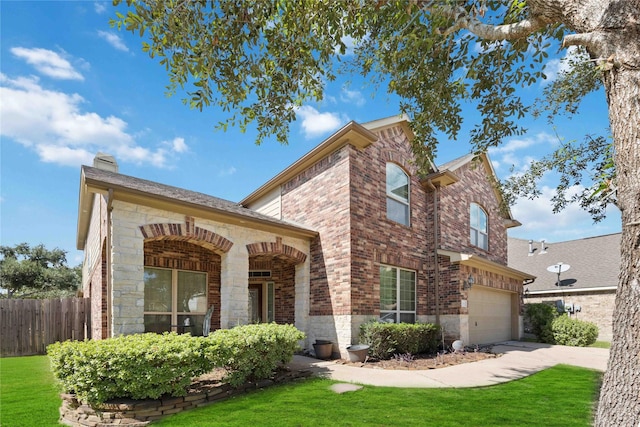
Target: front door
x: 255, y: 303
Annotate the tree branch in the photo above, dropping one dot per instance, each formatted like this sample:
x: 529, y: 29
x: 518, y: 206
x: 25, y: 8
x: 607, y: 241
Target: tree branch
x: 462, y: 20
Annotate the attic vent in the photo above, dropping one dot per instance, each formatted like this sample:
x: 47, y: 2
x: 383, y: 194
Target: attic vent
x: 530, y: 247
x: 543, y: 247
x: 105, y: 162
x: 259, y: 273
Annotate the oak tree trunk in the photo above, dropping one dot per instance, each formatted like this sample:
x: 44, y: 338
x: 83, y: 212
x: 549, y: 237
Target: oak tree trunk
x: 620, y: 394
x: 610, y: 31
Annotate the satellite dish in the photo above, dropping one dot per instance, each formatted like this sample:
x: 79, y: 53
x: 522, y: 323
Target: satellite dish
x: 558, y: 268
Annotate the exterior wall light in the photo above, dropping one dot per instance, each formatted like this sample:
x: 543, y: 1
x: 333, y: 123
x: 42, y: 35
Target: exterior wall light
x: 469, y: 282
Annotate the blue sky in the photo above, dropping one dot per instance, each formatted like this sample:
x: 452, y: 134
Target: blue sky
x: 72, y: 86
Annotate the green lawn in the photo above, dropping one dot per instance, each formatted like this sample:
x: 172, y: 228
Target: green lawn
x: 560, y: 396
x: 28, y: 395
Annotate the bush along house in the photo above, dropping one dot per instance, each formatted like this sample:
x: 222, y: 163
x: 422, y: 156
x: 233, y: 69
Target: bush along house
x: 348, y: 233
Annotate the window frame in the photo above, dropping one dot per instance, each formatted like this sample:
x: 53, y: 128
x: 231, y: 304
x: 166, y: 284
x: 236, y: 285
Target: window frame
x: 174, y: 314
x: 395, y: 315
x: 475, y: 231
x: 391, y: 196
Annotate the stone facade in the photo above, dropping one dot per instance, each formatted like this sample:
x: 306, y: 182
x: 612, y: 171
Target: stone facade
x: 134, y: 245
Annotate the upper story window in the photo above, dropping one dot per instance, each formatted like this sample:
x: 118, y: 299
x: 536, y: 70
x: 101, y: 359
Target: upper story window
x: 397, y: 194
x: 478, y: 226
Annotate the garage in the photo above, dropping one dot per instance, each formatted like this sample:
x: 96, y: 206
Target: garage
x: 490, y: 316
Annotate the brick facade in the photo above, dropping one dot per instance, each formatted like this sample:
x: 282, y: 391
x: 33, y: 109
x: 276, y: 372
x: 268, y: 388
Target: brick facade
x: 474, y: 186
x: 329, y: 284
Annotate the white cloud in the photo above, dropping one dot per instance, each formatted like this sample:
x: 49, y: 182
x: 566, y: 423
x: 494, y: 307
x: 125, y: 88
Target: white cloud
x: 54, y: 125
x: 350, y: 45
x: 352, y: 97
x: 48, y: 63
x: 511, y: 152
x: 179, y: 145
x: 114, y: 40
x: 315, y: 123
x: 99, y: 7
x: 554, y: 67
x: 227, y: 171
x: 539, y: 221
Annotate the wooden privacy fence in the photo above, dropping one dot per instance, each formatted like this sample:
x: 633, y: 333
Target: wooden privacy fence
x: 27, y: 326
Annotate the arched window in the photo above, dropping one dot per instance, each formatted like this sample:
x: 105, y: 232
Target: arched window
x: 479, y: 227
x: 397, y: 194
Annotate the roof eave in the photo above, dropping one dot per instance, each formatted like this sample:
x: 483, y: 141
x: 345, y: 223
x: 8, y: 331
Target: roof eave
x: 85, y: 207
x: 167, y: 203
x: 483, y: 263
x: 572, y: 291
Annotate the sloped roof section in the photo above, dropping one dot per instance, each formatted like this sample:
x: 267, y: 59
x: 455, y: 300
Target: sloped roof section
x: 136, y: 190
x: 594, y: 263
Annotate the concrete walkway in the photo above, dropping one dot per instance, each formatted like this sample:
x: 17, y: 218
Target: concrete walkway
x: 517, y: 360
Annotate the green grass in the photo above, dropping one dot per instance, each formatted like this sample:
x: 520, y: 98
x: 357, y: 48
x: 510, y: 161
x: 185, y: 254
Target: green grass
x: 601, y: 344
x: 560, y: 396
x: 28, y: 394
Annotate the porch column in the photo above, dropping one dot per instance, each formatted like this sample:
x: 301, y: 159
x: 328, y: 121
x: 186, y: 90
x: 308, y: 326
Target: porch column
x: 234, y: 288
x: 302, y: 295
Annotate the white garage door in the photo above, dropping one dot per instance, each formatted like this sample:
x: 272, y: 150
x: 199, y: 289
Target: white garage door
x: 489, y: 316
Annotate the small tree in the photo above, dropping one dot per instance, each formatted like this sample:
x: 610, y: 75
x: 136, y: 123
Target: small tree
x: 540, y: 317
x: 36, y: 272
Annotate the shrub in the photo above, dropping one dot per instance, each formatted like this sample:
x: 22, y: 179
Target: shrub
x: 539, y: 317
x: 151, y: 365
x: 385, y: 339
x: 253, y: 352
x: 568, y: 331
x: 136, y: 366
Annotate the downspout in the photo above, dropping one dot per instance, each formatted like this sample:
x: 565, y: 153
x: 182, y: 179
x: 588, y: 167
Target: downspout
x: 108, y: 254
x: 436, y: 275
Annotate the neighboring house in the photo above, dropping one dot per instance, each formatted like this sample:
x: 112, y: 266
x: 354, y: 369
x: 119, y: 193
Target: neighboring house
x: 348, y: 233
x: 586, y: 290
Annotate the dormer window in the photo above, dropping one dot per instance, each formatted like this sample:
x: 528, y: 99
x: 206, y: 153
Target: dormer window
x: 397, y: 194
x: 478, y: 226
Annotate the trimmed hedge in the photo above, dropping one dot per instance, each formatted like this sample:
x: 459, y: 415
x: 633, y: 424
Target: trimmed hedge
x: 253, y: 352
x: 387, y: 339
x: 568, y: 331
x: 149, y: 365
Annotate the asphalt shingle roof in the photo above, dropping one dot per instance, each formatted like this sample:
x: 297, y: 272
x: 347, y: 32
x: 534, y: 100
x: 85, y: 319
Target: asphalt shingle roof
x: 594, y: 262
x: 179, y: 194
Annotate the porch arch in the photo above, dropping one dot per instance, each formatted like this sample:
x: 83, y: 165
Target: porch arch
x: 277, y: 249
x: 186, y: 232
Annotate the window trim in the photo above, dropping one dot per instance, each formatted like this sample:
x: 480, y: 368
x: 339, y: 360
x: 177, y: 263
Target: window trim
x: 478, y: 231
x: 395, y: 197
x: 174, y: 313
x: 398, y: 311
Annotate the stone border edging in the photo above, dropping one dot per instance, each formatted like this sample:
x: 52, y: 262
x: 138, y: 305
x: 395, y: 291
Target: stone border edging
x: 139, y: 413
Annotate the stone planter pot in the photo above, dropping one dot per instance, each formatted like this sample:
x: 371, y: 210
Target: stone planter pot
x: 358, y: 353
x: 323, y: 349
